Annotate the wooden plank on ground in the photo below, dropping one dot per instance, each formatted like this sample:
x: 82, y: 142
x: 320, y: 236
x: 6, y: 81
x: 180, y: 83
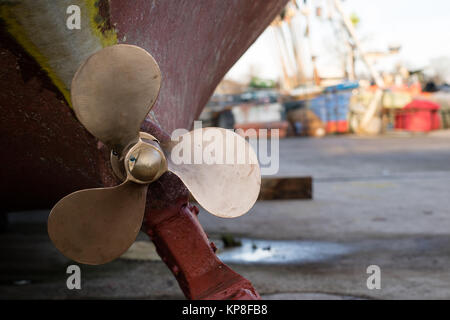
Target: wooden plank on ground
x: 283, y: 188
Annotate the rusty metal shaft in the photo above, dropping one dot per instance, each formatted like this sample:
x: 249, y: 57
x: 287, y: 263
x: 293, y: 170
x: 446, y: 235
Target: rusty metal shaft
x: 183, y: 245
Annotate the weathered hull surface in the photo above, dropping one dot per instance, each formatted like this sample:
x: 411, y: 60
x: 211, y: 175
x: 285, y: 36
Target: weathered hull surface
x: 46, y: 153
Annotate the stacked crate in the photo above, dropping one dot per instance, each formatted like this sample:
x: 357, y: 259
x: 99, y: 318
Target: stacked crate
x: 337, y: 106
x: 337, y: 102
x: 325, y: 113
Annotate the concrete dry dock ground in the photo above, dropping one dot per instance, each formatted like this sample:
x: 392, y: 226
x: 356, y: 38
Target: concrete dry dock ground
x: 377, y: 201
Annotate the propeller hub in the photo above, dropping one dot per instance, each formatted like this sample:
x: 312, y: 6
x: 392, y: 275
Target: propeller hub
x: 145, y: 162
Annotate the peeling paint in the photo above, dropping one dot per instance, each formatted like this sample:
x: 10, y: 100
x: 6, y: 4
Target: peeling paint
x: 39, y: 27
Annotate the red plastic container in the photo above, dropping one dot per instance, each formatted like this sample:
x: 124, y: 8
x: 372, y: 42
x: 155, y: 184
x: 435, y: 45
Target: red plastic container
x: 340, y: 126
x: 418, y: 116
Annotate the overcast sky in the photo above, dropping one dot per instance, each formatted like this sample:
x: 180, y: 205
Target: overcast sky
x: 422, y: 28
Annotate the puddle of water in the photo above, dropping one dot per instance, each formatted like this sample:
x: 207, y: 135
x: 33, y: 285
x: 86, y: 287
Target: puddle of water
x: 282, y: 252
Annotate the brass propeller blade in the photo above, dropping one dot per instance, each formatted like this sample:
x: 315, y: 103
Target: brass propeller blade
x: 95, y: 226
x: 113, y: 91
x: 227, y: 189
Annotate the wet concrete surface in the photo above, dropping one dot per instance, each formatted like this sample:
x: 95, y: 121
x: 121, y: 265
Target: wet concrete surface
x: 255, y: 252
x: 377, y: 201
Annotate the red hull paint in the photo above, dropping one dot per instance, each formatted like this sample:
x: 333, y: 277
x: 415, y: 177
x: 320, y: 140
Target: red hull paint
x: 194, y: 43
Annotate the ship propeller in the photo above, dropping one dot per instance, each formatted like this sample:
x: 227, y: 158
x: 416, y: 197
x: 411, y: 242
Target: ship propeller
x: 112, y: 93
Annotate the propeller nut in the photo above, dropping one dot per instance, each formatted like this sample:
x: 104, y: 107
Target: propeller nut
x: 145, y: 162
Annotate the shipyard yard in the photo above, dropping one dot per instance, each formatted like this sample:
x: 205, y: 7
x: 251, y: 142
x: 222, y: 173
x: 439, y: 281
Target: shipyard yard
x: 380, y: 200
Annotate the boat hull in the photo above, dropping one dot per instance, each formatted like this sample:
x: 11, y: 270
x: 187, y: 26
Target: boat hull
x: 46, y: 152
